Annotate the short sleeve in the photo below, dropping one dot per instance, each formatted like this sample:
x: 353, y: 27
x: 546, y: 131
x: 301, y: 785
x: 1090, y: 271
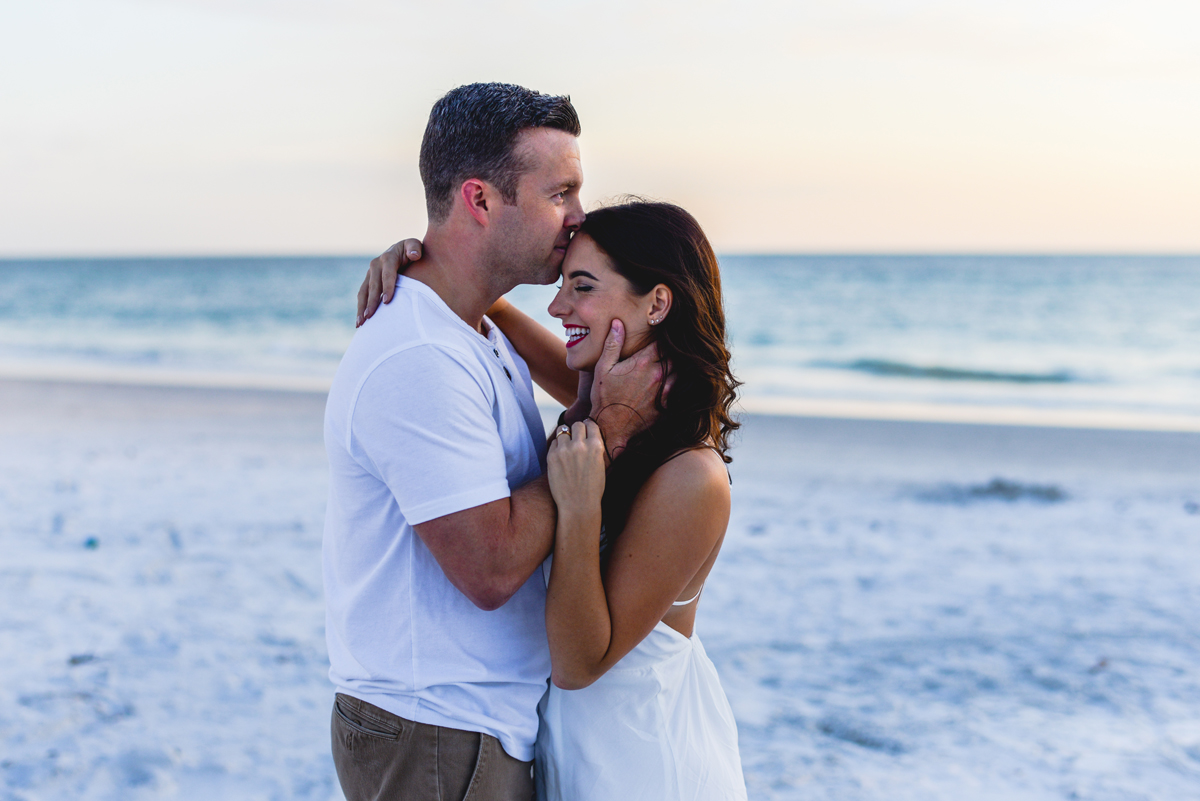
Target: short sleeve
x: 423, y: 424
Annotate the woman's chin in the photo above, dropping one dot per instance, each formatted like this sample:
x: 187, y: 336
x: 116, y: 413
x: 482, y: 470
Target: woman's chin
x: 581, y: 363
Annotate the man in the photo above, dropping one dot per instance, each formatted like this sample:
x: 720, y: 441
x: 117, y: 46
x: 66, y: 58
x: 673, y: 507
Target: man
x: 439, y: 514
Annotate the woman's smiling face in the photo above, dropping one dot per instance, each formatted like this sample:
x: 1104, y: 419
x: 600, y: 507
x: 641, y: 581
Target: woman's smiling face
x: 592, y: 295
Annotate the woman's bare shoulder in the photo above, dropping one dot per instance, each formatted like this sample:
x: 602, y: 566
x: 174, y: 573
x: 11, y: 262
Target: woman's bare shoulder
x: 679, y: 515
x: 695, y: 475
x: 701, y: 460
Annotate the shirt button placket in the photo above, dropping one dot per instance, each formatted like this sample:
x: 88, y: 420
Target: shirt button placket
x: 503, y: 366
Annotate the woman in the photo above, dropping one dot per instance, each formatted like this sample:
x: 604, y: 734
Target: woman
x: 636, y: 710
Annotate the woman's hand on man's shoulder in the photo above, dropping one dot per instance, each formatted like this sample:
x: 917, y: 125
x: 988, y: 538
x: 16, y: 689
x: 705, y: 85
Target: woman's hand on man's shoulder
x: 380, y: 284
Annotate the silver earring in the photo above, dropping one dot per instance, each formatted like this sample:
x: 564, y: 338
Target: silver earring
x: 656, y: 321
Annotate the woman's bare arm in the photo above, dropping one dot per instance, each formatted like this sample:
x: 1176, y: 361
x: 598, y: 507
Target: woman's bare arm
x: 545, y: 353
x: 670, y: 541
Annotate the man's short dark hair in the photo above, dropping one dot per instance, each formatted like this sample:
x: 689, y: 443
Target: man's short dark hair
x: 471, y: 133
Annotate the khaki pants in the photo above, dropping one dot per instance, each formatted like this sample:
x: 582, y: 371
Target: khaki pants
x: 380, y: 757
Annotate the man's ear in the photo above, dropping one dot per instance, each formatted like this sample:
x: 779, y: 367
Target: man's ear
x: 478, y: 199
x: 660, y: 304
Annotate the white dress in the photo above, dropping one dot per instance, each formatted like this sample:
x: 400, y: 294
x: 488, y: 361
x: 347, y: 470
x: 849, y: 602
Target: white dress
x: 657, y: 726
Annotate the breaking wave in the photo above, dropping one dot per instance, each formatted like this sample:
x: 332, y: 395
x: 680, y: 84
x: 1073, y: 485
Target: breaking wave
x: 883, y: 367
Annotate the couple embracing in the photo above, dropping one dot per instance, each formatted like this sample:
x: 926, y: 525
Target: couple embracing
x: 466, y: 560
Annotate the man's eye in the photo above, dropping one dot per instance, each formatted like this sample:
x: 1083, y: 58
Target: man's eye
x: 558, y: 285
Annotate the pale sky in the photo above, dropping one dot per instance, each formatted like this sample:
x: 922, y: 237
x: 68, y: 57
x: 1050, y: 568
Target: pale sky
x: 293, y: 126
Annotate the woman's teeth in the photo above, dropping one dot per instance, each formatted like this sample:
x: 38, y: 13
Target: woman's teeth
x: 575, y: 333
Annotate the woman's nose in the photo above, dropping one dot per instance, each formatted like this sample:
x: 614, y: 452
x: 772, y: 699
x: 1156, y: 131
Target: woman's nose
x: 558, y: 307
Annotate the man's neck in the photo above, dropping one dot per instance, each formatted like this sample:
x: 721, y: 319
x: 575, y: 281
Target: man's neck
x: 458, y: 273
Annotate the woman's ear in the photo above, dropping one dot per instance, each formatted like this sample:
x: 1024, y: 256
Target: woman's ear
x: 660, y: 304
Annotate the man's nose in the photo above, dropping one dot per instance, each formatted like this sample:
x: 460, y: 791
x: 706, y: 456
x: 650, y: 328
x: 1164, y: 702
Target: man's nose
x: 575, y: 217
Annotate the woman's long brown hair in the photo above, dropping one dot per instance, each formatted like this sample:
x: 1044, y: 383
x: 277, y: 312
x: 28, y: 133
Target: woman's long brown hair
x: 659, y: 243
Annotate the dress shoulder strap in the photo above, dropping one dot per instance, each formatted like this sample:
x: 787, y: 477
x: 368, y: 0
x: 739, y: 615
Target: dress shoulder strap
x: 689, y: 600
x: 713, y: 448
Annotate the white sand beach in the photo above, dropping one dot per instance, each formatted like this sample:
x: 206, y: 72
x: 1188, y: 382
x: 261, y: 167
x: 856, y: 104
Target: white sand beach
x: 902, y: 610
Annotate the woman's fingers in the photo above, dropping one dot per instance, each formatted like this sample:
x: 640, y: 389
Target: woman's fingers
x: 389, y: 268
x: 578, y: 440
x: 362, y: 301
x: 399, y: 257
x: 368, y: 296
x: 380, y: 284
x: 575, y: 466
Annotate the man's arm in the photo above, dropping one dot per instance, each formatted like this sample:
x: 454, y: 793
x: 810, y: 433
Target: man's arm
x: 488, y: 552
x: 423, y: 424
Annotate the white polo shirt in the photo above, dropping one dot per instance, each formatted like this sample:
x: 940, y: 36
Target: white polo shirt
x: 427, y: 417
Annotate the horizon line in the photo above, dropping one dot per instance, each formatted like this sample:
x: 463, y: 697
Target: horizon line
x: 1018, y: 253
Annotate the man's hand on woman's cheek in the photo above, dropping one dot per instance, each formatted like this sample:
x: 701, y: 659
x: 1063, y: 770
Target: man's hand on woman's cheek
x: 380, y: 283
x: 624, y: 392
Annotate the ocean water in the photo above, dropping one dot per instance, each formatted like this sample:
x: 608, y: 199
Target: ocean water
x: 1118, y: 334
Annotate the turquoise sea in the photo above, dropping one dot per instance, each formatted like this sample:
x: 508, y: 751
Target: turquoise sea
x: 1115, y: 333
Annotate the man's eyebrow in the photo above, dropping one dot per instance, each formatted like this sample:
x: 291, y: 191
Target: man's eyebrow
x: 582, y: 274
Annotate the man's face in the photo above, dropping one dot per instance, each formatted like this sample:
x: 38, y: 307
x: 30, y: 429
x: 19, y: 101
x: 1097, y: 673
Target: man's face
x: 531, y: 237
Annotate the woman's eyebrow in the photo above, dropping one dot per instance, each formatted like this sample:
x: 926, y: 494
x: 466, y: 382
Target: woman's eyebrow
x: 582, y: 274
